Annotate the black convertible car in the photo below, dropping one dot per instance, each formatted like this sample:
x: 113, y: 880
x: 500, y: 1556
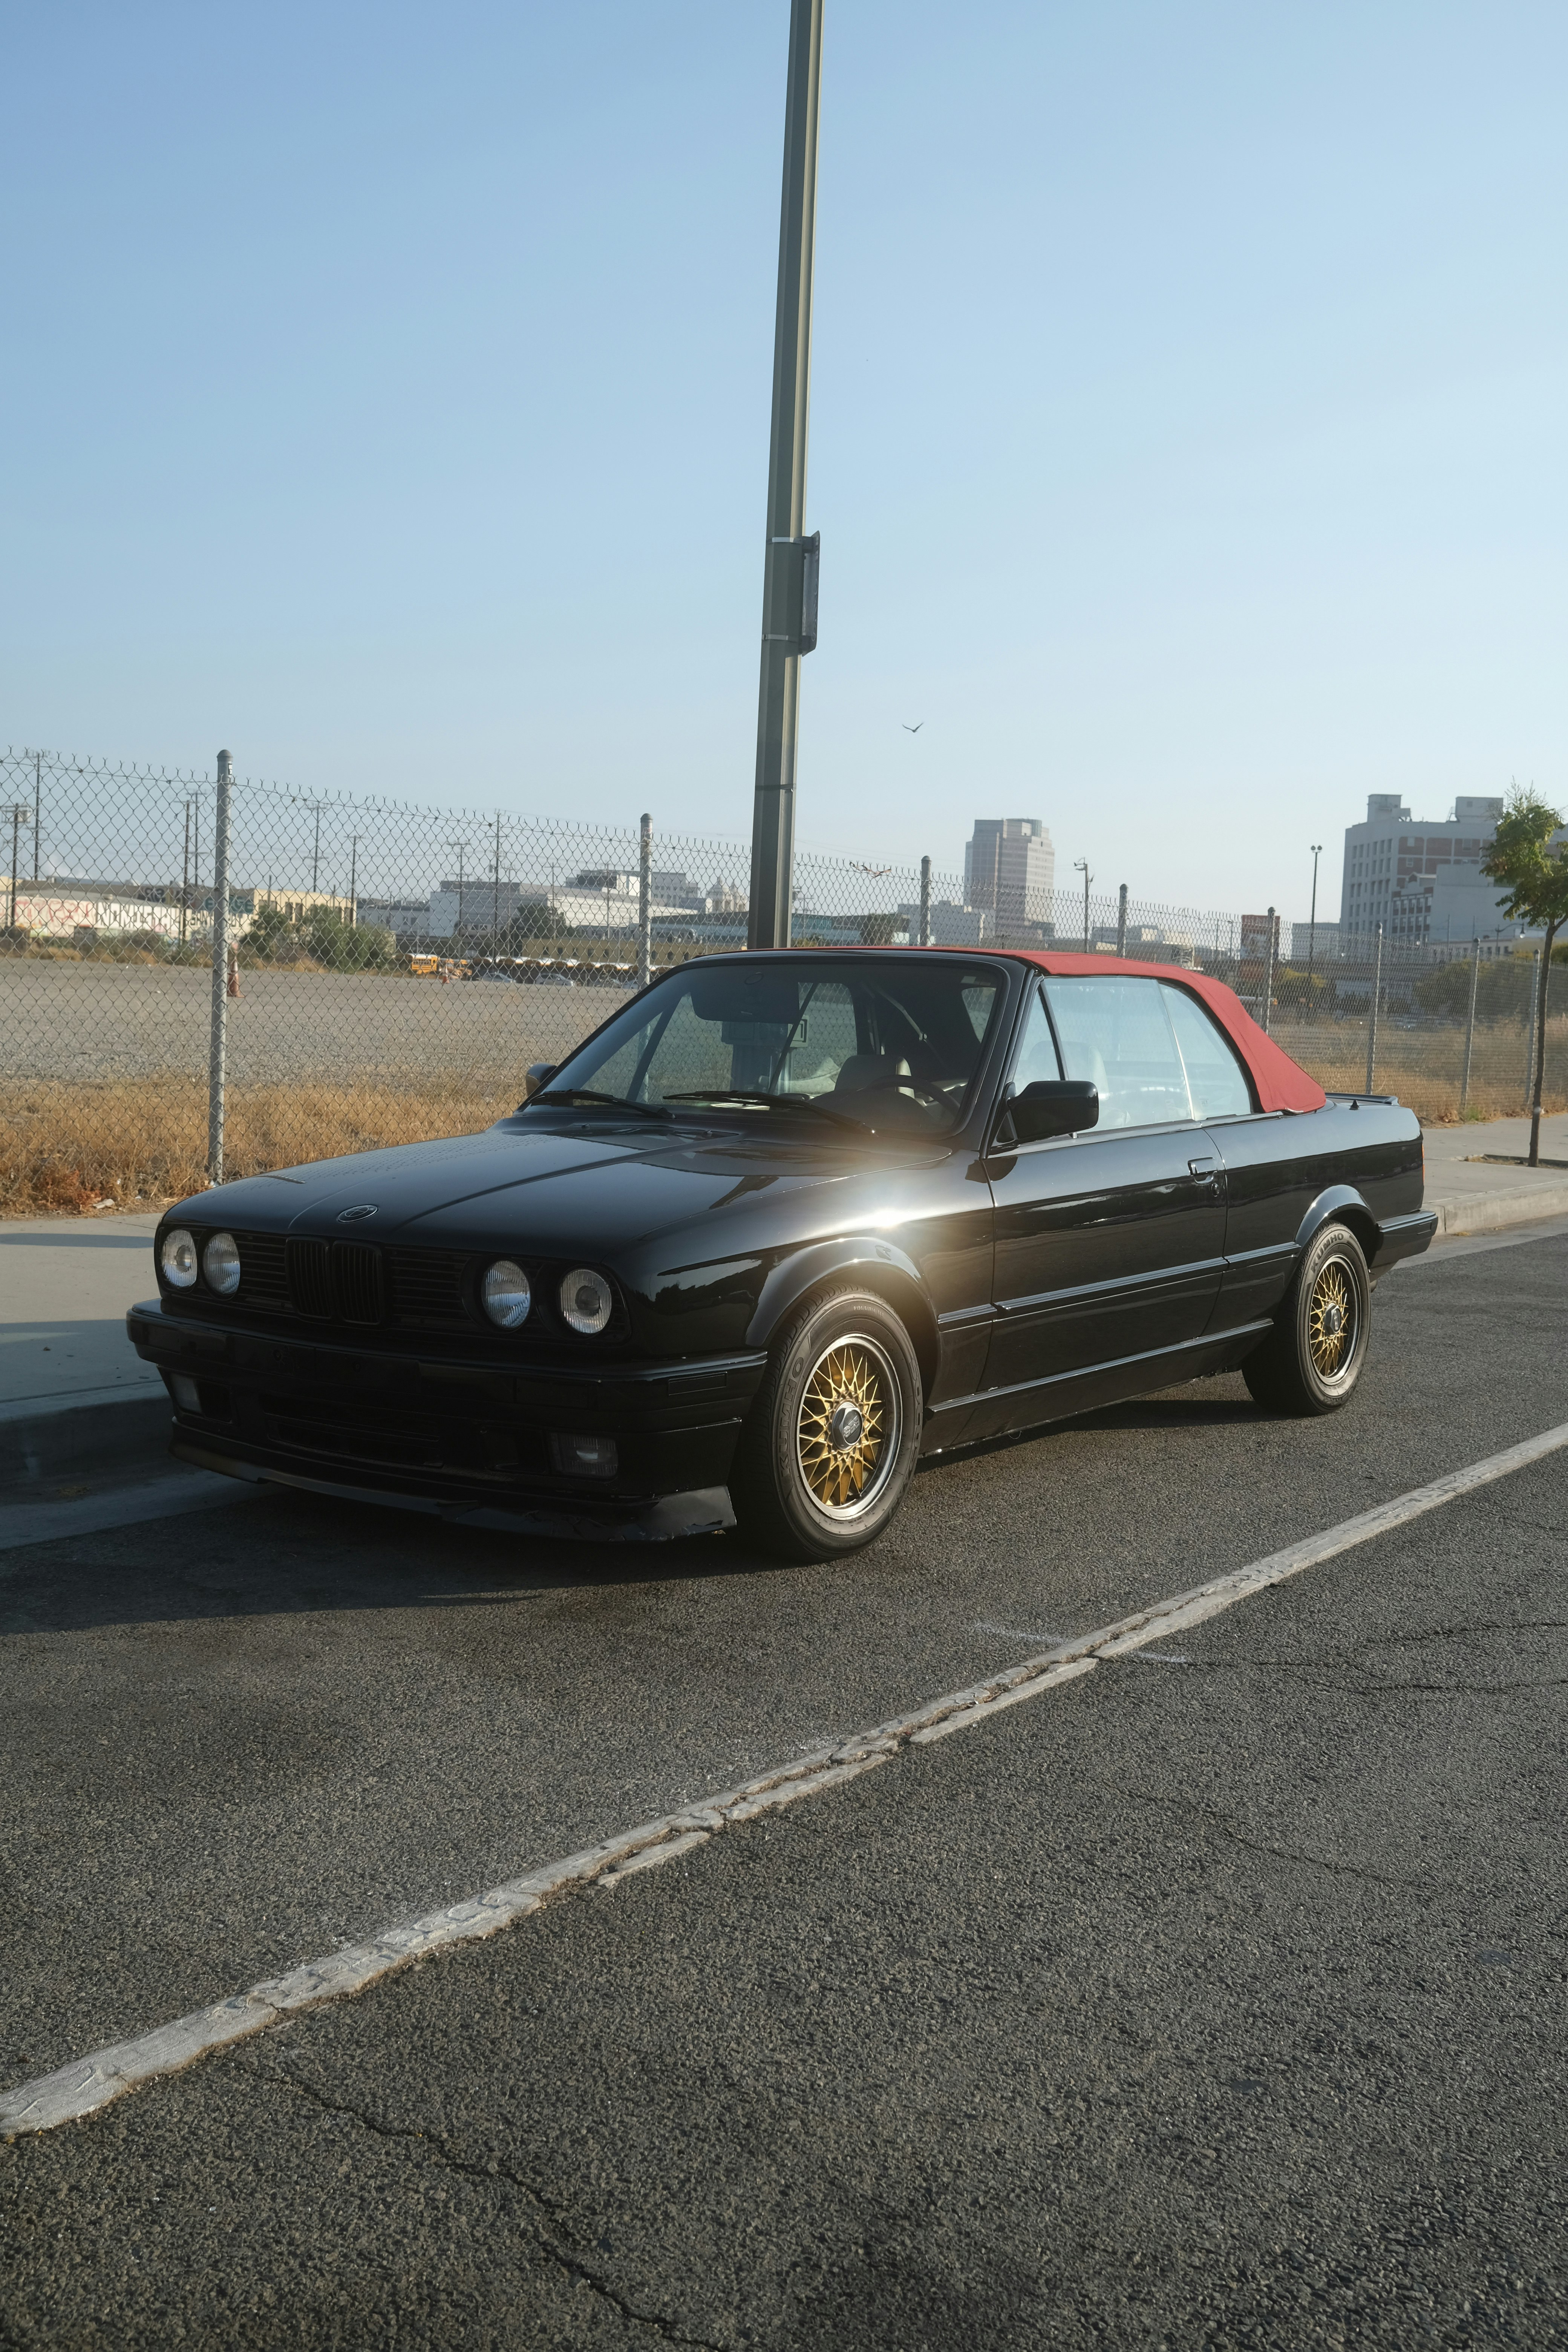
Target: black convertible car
x: 783, y: 1225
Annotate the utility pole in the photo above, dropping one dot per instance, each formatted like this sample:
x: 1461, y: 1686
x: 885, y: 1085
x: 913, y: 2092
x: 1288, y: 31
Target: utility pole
x: 790, y: 563
x: 1080, y: 866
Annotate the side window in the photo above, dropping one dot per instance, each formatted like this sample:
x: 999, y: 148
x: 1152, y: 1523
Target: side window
x: 1215, y: 1076
x: 1036, y: 1055
x: 1114, y: 1030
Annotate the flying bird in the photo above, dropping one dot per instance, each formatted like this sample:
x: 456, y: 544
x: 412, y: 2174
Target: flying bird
x: 915, y: 728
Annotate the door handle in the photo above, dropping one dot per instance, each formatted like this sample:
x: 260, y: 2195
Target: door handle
x: 1206, y: 1170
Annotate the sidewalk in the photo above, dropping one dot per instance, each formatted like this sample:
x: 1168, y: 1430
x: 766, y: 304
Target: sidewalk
x: 72, y: 1389
x: 1474, y: 1194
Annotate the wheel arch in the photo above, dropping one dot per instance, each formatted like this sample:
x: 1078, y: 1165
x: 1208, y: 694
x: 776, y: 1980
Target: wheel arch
x: 1340, y: 1204
x: 872, y: 1263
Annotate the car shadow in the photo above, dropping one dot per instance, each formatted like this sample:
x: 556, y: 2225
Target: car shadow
x: 1218, y: 1403
x: 283, y: 1553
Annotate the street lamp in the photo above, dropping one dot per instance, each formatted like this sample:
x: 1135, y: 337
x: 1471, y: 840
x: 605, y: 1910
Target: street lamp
x: 1080, y: 866
x: 21, y: 814
x: 1317, y: 849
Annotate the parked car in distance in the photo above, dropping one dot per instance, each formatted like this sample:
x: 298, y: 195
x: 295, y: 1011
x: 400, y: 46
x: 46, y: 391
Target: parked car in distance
x: 783, y: 1225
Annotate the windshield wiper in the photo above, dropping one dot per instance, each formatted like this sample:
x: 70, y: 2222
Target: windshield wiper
x: 591, y: 1095
x: 773, y: 1102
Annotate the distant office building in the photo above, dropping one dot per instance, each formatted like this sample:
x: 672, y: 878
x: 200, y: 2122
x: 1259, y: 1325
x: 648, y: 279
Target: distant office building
x: 1319, y: 940
x: 1423, y: 882
x: 952, y: 926
x: 1010, y: 869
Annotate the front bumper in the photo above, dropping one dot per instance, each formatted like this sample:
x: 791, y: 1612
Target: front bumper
x: 466, y: 1439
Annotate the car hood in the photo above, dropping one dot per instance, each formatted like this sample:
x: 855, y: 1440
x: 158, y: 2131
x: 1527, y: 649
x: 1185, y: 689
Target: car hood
x: 590, y: 1188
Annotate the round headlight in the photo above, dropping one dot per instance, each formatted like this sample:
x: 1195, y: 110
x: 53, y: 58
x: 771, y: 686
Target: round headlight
x: 506, y: 1294
x: 586, y: 1300
x: 220, y: 1264
x: 179, y: 1258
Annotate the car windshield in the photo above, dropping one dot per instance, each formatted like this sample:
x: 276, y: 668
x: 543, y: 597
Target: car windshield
x: 883, y: 1043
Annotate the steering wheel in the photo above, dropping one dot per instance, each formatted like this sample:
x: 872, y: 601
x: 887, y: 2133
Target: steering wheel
x: 903, y: 1086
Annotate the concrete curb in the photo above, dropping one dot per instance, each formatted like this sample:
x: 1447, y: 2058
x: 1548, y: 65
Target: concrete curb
x: 1489, y: 1213
x: 128, y: 1428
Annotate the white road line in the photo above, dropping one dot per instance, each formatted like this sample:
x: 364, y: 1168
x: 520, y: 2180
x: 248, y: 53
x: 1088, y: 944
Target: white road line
x: 90, y: 2082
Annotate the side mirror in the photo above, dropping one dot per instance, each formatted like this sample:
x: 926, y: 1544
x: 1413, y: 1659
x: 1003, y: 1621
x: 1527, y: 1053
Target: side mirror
x: 1054, y: 1107
x: 538, y: 1074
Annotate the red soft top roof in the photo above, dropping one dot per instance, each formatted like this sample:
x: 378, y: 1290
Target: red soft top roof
x: 1281, y: 1084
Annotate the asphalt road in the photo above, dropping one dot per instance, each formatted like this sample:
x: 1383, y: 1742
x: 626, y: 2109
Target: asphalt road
x: 1217, y: 1998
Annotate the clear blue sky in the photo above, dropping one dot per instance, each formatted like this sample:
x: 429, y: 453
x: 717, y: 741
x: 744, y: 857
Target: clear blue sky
x: 387, y: 389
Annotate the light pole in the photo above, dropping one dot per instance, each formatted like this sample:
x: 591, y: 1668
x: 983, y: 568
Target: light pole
x: 21, y: 814
x: 1080, y: 866
x: 1317, y: 849
x: 461, y: 848
x: 790, y: 560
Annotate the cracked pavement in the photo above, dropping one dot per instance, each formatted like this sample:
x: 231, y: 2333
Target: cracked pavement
x: 1216, y: 2004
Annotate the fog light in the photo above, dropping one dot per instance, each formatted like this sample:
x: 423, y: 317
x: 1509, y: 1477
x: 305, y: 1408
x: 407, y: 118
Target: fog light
x: 583, y: 1457
x: 186, y: 1394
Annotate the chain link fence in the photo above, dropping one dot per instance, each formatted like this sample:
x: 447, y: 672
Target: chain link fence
x: 388, y: 973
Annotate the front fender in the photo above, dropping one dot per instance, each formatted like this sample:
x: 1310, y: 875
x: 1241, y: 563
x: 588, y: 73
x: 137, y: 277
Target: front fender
x: 867, y: 1259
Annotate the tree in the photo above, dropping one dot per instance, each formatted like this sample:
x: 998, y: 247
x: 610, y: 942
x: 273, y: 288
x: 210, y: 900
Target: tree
x: 1528, y: 861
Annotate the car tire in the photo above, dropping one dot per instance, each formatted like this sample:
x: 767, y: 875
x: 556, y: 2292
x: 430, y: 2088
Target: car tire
x: 831, y: 1441
x: 1313, y: 1359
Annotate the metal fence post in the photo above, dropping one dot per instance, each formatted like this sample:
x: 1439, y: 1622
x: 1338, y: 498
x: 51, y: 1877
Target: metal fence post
x: 925, y: 902
x: 218, y: 1050
x: 1529, y: 1028
x: 1372, y: 1014
x: 1470, y: 1030
x: 1268, y: 985
x: 644, y: 903
x: 1122, y: 921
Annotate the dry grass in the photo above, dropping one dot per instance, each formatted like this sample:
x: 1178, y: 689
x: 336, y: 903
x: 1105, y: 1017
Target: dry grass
x: 64, y: 1146
x: 1424, y: 1067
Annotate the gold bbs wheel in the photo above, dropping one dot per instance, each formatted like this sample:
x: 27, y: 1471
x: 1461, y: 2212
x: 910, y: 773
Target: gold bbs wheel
x: 847, y: 1435
x: 1331, y: 1319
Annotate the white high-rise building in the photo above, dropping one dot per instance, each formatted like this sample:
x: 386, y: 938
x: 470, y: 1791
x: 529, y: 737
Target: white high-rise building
x: 1009, y: 869
x: 1423, y: 882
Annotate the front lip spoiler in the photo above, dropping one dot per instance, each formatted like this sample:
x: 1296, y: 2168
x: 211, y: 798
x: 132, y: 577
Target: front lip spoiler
x: 702, y: 1511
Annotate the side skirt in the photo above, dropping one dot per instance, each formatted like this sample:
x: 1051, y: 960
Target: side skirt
x: 1065, y: 1394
